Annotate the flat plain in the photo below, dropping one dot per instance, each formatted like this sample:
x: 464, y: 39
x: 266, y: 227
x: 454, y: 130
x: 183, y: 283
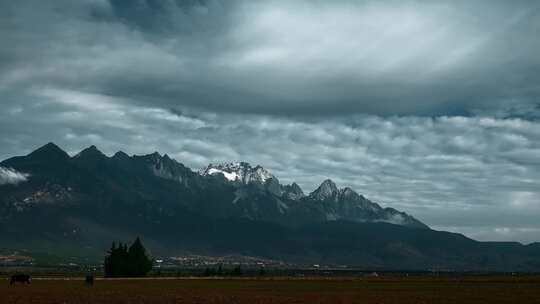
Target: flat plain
x: 405, y: 290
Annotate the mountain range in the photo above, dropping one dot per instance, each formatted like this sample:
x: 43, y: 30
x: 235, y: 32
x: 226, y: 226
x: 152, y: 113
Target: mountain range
x: 53, y: 203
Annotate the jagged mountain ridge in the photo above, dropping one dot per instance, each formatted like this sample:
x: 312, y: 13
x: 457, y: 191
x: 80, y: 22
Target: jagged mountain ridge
x: 219, y: 190
x: 86, y: 201
x: 330, y: 202
x: 240, y: 172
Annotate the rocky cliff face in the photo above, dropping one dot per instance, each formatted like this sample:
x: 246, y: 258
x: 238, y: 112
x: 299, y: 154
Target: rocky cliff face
x: 220, y: 190
x: 55, y: 201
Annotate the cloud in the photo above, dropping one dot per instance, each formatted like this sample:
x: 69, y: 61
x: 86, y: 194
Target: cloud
x: 10, y: 176
x: 281, y: 57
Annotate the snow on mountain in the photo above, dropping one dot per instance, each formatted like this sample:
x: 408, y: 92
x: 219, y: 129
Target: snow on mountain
x: 232, y: 176
x: 255, y: 192
x: 239, y: 172
x: 334, y: 203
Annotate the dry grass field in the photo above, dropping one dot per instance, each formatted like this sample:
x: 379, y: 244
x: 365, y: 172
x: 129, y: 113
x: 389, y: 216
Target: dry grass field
x: 416, y: 290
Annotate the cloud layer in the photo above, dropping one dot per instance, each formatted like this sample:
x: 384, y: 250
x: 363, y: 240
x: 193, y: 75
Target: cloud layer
x: 281, y: 57
x: 10, y: 176
x: 429, y: 107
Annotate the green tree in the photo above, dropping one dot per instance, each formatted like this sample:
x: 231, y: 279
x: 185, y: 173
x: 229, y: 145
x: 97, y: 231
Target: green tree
x: 122, y: 261
x: 110, y: 262
x: 139, y: 262
x: 116, y: 261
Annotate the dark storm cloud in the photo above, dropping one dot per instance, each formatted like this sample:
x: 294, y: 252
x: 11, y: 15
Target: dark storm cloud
x: 282, y: 57
x: 429, y: 107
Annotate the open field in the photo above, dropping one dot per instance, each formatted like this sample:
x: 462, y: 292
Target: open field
x: 415, y: 290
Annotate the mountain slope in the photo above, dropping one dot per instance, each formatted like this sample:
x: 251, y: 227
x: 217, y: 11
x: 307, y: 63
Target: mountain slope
x: 76, y: 206
x: 259, y: 195
x: 238, y: 190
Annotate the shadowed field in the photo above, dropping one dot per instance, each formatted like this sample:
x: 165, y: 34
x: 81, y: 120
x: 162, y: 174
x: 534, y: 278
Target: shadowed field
x: 373, y: 290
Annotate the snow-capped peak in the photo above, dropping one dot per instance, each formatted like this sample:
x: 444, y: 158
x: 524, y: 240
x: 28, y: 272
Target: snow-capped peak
x: 239, y: 171
x: 231, y: 176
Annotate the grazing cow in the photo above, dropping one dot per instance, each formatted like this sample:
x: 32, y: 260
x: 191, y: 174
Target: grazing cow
x: 89, y: 280
x: 20, y: 278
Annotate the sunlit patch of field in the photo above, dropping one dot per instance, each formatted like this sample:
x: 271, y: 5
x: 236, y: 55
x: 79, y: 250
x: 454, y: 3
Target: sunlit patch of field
x: 415, y: 290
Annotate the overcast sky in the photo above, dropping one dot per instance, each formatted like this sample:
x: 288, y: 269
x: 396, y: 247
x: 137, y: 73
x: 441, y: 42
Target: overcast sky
x: 429, y: 107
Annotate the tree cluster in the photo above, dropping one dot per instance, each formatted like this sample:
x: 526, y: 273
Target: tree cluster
x: 124, y: 261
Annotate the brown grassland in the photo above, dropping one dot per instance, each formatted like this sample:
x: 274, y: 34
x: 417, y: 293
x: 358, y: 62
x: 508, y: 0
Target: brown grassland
x: 382, y: 290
